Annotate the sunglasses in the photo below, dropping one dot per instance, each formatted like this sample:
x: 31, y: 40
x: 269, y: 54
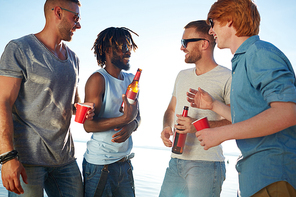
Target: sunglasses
x: 184, y: 42
x: 211, y: 22
x: 77, y: 16
x: 125, y: 48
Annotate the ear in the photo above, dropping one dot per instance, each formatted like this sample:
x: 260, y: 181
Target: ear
x: 229, y: 23
x: 57, y: 12
x: 205, y: 44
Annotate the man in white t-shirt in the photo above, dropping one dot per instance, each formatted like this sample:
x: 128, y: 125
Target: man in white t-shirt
x: 196, y: 172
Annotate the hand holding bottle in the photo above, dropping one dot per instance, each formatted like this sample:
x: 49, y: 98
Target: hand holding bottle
x: 184, y: 124
x: 132, y: 90
x: 179, y: 139
x: 130, y: 110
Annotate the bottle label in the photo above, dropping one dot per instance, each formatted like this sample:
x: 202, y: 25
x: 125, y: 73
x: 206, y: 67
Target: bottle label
x: 131, y: 95
x: 181, y: 140
x: 130, y: 101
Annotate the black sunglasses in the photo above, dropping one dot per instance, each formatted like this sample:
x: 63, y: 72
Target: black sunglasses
x: 184, y: 42
x: 211, y: 22
x: 76, y: 15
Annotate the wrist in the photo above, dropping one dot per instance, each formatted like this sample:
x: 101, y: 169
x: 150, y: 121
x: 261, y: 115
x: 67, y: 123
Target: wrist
x: 8, y: 156
x: 137, y: 124
x: 215, y: 104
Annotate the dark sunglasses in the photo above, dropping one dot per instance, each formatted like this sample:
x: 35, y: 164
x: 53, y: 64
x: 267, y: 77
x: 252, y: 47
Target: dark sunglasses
x: 125, y: 48
x: 184, y: 42
x: 76, y: 15
x: 211, y: 22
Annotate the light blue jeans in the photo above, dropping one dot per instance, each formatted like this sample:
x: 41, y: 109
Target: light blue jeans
x: 57, y: 181
x: 120, y: 181
x: 186, y: 178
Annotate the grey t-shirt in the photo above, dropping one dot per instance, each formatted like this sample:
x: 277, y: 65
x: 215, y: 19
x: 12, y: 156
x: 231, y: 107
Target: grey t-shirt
x: 217, y: 82
x: 43, y: 109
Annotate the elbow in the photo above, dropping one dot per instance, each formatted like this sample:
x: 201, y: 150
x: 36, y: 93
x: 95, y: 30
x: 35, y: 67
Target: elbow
x: 87, y: 127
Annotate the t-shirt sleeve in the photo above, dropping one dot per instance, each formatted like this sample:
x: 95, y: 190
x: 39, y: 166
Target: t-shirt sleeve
x: 12, y: 62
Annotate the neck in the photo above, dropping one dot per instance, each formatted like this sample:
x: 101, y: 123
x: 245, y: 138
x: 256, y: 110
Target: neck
x: 237, y: 42
x: 113, y: 70
x: 204, y: 65
x: 52, y: 42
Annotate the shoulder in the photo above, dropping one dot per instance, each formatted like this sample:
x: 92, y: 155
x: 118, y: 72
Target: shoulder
x: 224, y: 70
x: 128, y: 76
x: 19, y: 43
x: 96, y: 77
x: 95, y: 83
x: 25, y: 40
x: 186, y: 72
x: 261, y: 47
x: 265, y: 54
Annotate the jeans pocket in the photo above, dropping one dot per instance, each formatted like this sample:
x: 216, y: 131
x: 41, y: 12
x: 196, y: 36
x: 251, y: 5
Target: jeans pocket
x: 91, y: 170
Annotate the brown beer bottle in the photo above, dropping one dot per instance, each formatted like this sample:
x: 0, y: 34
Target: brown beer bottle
x: 132, y: 90
x: 179, y: 139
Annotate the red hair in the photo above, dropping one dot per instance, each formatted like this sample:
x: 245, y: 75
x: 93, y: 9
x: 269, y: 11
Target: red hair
x: 243, y: 14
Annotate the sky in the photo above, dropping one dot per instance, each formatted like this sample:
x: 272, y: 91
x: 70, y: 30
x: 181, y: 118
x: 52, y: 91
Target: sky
x: 159, y: 24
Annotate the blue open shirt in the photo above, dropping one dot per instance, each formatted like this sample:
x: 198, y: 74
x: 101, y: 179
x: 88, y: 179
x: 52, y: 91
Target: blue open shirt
x: 262, y: 74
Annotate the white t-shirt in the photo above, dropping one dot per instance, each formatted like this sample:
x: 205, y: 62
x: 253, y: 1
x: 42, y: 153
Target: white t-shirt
x: 217, y: 83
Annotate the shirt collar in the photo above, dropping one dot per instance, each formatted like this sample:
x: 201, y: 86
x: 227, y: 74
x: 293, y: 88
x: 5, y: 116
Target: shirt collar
x: 244, y: 47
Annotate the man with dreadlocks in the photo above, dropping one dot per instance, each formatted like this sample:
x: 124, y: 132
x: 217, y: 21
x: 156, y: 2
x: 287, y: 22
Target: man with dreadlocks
x: 107, y: 169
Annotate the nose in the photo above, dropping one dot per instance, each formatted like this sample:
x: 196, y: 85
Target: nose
x: 211, y: 31
x: 77, y: 25
x: 128, y: 52
x: 182, y: 48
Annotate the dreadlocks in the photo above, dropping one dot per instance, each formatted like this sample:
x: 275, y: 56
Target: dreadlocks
x: 112, y: 37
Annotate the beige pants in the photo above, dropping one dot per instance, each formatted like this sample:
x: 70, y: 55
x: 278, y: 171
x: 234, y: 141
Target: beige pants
x: 277, y: 189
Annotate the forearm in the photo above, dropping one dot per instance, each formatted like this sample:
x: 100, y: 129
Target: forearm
x: 104, y: 124
x: 219, y: 123
x: 137, y: 121
x: 268, y: 122
x: 222, y: 109
x: 6, y: 129
x: 76, y: 100
x: 168, y: 118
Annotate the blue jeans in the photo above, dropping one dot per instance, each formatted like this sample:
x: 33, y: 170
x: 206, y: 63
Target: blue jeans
x: 57, y: 181
x: 185, y: 178
x: 120, y: 181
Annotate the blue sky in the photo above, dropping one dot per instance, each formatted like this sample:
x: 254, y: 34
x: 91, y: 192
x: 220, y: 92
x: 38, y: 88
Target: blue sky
x: 160, y: 26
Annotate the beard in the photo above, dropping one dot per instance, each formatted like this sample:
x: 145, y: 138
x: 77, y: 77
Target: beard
x: 196, y: 55
x: 118, y: 62
x: 65, y: 30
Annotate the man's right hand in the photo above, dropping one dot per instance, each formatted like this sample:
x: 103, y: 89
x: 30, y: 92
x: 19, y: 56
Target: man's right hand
x: 165, y: 136
x: 10, y: 173
x: 200, y: 99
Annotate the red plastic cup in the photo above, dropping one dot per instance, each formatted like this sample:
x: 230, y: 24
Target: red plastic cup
x: 201, y: 124
x: 81, y: 110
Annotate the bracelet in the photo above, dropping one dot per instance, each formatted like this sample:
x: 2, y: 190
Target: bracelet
x: 8, y: 156
x: 4, y: 154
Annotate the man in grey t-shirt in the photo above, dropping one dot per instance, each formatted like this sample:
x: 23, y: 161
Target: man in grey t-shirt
x: 195, y: 172
x: 38, y: 89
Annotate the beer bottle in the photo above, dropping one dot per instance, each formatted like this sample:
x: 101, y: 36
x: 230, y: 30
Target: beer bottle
x: 132, y: 90
x: 179, y: 139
